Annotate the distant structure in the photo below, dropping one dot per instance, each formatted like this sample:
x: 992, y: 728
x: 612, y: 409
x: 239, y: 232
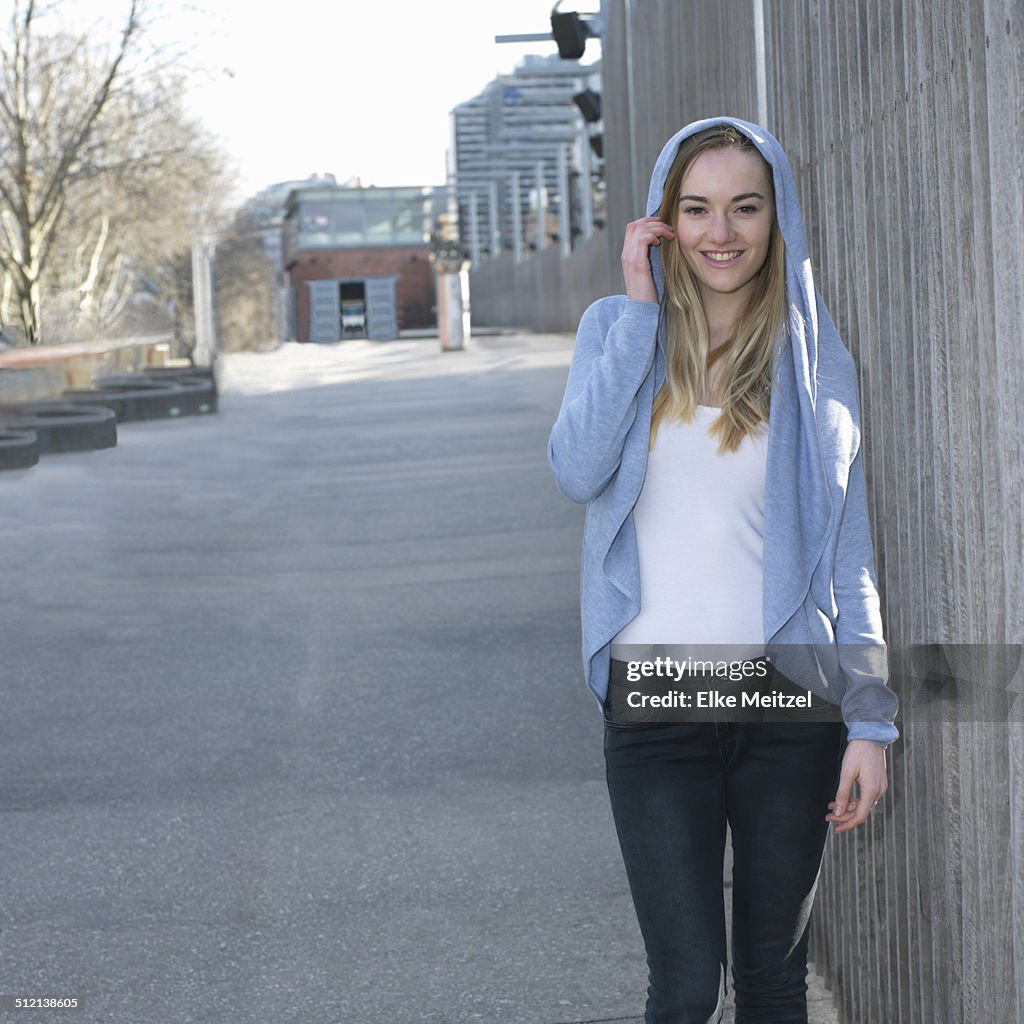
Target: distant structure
x: 263, y: 213
x: 262, y: 216
x: 524, y: 162
x: 356, y: 260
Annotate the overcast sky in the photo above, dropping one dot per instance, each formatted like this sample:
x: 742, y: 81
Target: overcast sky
x: 355, y: 87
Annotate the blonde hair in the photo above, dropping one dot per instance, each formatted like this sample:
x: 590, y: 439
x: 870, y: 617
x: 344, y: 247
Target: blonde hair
x: 747, y: 353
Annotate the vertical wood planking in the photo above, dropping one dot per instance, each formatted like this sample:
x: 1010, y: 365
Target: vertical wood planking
x: 615, y: 110
x: 887, y: 113
x: 1002, y: 33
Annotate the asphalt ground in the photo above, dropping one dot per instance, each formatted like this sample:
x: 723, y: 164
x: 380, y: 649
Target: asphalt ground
x: 293, y: 724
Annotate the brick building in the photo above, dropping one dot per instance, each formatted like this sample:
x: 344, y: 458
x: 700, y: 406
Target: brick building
x: 357, y: 261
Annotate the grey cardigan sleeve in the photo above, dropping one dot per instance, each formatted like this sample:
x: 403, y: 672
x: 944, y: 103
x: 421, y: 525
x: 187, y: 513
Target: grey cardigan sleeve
x: 869, y: 706
x: 614, y: 352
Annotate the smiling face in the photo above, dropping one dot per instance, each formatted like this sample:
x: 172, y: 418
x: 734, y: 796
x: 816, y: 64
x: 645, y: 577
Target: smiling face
x: 724, y: 222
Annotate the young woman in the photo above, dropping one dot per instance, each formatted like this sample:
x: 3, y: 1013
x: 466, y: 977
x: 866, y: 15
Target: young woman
x: 711, y: 424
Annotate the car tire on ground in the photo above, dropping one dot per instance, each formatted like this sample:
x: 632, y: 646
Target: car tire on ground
x: 62, y: 426
x: 137, y: 398
x: 19, y: 449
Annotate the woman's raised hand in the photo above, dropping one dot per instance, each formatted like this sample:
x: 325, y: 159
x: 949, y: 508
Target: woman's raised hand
x: 640, y: 236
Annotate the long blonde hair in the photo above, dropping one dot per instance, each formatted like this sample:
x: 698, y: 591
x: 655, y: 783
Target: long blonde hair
x: 747, y: 354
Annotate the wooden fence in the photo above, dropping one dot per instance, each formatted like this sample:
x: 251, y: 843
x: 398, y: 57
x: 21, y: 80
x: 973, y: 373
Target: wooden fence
x: 903, y: 122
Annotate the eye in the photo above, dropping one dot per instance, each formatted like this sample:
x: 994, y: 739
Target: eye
x: 694, y: 209
x: 748, y: 209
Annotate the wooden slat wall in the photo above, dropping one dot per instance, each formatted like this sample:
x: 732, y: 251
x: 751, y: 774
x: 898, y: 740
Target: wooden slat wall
x: 904, y: 123
x: 543, y: 293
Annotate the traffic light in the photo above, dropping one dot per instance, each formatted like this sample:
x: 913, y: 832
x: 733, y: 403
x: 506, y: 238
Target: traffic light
x: 571, y: 32
x: 570, y: 35
x: 589, y: 104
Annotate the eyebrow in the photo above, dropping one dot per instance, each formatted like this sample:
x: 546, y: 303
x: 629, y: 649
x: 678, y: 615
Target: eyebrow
x: 735, y: 199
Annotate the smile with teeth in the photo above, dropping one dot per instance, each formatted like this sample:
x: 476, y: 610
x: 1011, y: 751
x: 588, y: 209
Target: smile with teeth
x: 722, y: 258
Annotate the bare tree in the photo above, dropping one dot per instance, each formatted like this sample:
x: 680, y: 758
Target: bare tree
x: 45, y: 128
x: 246, y: 294
x: 106, y: 179
x: 124, y: 234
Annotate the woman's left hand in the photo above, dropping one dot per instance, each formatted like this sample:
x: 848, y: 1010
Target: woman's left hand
x: 863, y: 763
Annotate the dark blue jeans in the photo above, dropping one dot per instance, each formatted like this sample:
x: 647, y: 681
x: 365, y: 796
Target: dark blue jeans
x: 673, y: 788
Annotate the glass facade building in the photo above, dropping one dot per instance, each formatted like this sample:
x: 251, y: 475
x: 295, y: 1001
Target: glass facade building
x: 360, y: 218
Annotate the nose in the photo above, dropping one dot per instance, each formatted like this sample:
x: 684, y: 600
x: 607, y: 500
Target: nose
x: 720, y: 229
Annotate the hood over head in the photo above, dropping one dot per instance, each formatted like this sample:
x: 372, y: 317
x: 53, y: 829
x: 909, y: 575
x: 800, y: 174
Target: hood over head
x: 814, y: 416
x: 805, y: 332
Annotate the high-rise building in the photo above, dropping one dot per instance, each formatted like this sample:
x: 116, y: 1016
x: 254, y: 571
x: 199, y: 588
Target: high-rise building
x: 521, y: 165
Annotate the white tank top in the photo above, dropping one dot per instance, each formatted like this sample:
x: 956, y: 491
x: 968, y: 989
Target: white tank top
x: 699, y: 528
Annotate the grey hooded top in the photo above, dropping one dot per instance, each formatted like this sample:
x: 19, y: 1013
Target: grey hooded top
x: 822, y: 620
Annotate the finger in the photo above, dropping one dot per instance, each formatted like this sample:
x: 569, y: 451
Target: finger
x: 636, y: 253
x: 851, y: 805
x: 847, y: 825
x: 846, y: 815
x: 642, y: 240
x: 862, y: 810
x: 649, y: 225
x: 843, y: 792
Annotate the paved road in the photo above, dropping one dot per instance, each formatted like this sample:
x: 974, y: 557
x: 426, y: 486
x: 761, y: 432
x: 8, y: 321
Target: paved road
x: 293, y: 728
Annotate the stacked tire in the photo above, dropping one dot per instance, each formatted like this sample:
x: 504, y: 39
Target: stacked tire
x: 19, y: 449
x: 86, y: 419
x: 57, y: 426
x: 151, y: 395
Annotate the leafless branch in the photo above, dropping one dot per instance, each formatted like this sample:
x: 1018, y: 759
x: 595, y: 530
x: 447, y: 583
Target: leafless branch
x: 103, y: 168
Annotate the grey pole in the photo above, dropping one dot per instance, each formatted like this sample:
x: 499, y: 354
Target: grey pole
x: 564, y: 228
x: 582, y: 144
x: 474, y: 230
x: 492, y: 199
x: 586, y: 196
x: 639, y: 203
x: 761, y: 63
x: 540, y: 218
x: 517, y: 218
x: 202, y: 302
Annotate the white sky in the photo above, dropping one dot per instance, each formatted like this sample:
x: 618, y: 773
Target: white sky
x: 355, y: 87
